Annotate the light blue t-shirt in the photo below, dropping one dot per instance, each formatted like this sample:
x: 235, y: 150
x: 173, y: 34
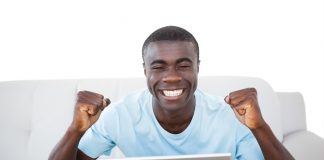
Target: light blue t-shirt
x: 131, y: 125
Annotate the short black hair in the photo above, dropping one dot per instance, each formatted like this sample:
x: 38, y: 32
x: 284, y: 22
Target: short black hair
x: 172, y: 33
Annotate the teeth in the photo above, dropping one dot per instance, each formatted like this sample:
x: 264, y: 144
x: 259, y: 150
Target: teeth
x: 172, y: 93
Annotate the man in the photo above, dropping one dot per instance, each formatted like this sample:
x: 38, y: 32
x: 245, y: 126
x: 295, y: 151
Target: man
x: 170, y: 117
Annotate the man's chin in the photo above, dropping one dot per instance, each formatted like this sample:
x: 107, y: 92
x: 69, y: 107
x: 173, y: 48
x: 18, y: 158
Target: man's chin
x: 171, y: 108
x: 171, y: 105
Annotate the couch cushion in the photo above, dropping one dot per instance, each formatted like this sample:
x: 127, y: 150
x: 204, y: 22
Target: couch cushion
x: 52, y: 111
x: 304, y: 145
x: 292, y: 104
x: 113, y: 88
x: 15, y: 103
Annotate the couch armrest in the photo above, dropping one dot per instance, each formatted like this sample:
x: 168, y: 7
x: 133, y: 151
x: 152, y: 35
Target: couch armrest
x: 304, y: 145
x: 292, y: 112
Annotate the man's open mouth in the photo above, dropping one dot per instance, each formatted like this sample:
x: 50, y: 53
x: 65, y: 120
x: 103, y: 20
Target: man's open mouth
x: 172, y: 93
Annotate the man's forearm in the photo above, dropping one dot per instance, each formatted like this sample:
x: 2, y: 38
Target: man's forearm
x: 270, y: 146
x: 67, y: 147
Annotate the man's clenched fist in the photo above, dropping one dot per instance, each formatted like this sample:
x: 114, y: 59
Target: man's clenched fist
x: 87, y: 110
x: 246, y: 107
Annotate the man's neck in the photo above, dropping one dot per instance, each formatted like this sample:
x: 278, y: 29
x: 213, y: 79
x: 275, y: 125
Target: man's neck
x: 175, y: 121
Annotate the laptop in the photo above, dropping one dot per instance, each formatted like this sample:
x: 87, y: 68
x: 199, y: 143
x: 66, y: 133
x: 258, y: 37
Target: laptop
x: 217, y: 156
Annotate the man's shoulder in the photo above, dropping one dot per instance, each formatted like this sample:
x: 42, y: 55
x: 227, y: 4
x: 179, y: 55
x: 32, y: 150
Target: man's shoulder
x: 130, y: 109
x: 211, y: 101
x: 215, y: 108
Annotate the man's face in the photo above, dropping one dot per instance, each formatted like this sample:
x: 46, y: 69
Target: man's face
x: 171, y: 69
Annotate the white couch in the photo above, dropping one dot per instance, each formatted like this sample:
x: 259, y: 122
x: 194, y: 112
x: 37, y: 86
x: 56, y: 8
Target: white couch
x: 35, y: 114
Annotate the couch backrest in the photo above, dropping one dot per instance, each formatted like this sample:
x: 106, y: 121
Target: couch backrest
x: 39, y: 112
x: 292, y: 104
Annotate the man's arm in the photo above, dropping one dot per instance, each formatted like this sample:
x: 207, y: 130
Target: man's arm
x: 270, y: 146
x: 246, y: 108
x: 87, y: 111
x: 67, y: 148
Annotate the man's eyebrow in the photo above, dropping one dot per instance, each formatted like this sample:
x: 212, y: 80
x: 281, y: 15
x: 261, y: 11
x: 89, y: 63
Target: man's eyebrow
x: 159, y: 61
x: 183, y: 60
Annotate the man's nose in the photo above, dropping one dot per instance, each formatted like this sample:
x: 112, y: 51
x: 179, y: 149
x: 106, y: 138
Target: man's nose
x: 172, y: 76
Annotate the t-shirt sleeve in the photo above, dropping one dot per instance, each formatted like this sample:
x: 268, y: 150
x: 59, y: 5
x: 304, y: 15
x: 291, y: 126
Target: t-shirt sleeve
x: 98, y: 140
x: 247, y: 145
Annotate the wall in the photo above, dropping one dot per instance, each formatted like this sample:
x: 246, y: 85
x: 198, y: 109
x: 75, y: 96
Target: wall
x: 280, y: 41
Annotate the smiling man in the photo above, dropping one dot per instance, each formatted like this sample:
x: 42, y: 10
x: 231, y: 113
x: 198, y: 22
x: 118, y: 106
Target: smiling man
x: 172, y: 116
x: 171, y: 70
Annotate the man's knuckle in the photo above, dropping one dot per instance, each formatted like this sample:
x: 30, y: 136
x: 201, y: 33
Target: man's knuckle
x: 100, y: 95
x: 253, y: 89
x: 80, y: 93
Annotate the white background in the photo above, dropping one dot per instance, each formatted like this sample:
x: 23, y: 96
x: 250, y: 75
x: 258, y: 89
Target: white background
x: 280, y: 41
